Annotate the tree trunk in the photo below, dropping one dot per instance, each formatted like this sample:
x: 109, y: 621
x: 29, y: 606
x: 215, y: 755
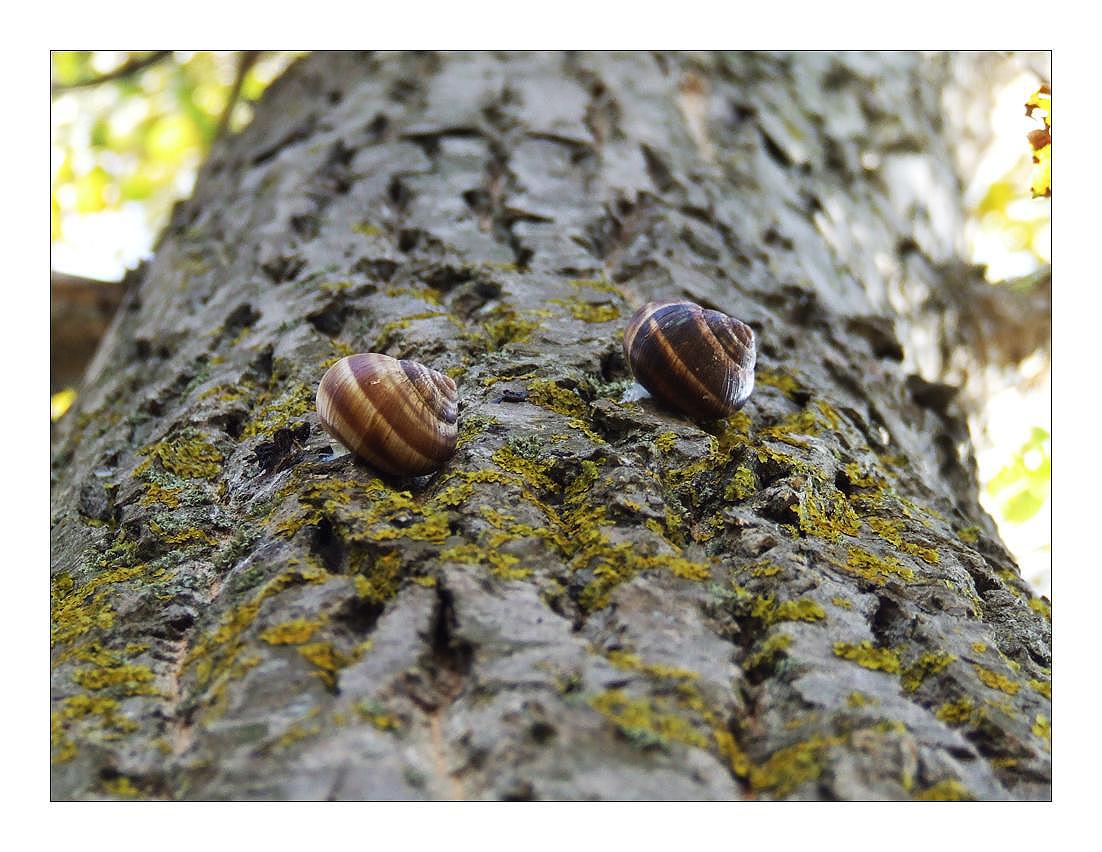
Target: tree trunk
x: 594, y: 598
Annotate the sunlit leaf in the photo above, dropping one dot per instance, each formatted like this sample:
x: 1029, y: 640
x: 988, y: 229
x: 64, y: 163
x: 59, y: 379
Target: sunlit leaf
x: 172, y: 138
x: 1041, y: 100
x: 91, y: 189
x: 55, y: 218
x: 101, y: 133
x: 70, y: 66
x: 138, y: 186
x: 1041, y: 184
x: 1041, y: 142
x: 998, y: 197
x: 1025, y: 482
x: 1022, y: 506
x: 60, y: 402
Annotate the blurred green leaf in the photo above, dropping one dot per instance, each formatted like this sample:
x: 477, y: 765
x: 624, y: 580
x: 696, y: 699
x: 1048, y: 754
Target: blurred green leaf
x: 101, y: 133
x: 172, y: 138
x: 1025, y: 482
x: 71, y: 66
x: 91, y: 196
x: 1022, y: 506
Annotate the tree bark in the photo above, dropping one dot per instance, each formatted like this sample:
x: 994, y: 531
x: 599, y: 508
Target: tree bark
x: 594, y: 598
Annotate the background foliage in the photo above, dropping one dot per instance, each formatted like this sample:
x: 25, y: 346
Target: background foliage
x: 124, y: 149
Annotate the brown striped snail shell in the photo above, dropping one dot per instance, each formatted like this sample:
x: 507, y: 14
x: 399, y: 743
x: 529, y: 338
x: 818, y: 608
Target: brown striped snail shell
x: 398, y: 415
x: 697, y: 361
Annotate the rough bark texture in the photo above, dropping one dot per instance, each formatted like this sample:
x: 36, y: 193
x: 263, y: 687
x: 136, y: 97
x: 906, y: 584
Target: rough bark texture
x: 593, y: 599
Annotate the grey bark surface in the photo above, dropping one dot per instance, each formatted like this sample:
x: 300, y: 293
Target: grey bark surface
x: 593, y: 598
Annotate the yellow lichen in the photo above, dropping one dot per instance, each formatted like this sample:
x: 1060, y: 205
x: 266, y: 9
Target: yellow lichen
x: 949, y: 790
x: 293, y: 632
x: 929, y: 663
x: 868, y: 656
x: 996, y: 680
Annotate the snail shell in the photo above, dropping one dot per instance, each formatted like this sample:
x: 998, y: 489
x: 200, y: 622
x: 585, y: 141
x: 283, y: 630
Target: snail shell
x: 697, y: 361
x: 398, y: 415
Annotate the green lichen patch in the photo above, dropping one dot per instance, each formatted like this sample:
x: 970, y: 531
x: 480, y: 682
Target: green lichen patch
x: 217, y: 656
x: 632, y: 662
x: 825, y: 512
x: 293, y: 632
x: 376, y: 715
x: 189, y: 455
x: 368, y: 229
x: 869, y: 656
x: 505, y: 566
x: 891, y: 531
x: 839, y: 601
x: 376, y: 577
x: 580, y: 426
x: 473, y: 426
x: 959, y: 712
x: 512, y: 458
x: 177, y: 533
x: 425, y: 294
x: 665, y: 442
x: 329, y: 660
x: 793, y: 429
x: 929, y: 663
x: 646, y: 721
x: 364, y: 512
x: 969, y: 534
x: 1041, y: 687
x: 996, y: 680
x: 1042, y: 606
x: 768, y: 652
x: 1042, y: 728
x: 589, y: 311
x: 791, y: 767
x: 769, y: 611
x: 121, y: 788
x: 612, y: 564
x: 121, y: 679
x: 507, y: 326
x: 85, y: 717
x: 742, y: 485
x: 164, y: 495
x: 875, y: 569
x: 949, y: 790
x: 859, y: 478
x: 547, y: 394
x: 301, y: 729
x: 77, y: 608
x: 784, y: 382
x: 601, y: 285
x: 858, y: 700
x: 278, y: 408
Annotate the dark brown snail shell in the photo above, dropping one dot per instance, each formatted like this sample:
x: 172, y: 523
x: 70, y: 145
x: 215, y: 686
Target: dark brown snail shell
x: 697, y: 361
x: 398, y: 415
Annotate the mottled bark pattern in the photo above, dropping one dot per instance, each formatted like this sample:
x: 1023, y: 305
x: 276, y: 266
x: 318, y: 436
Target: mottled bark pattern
x: 594, y: 598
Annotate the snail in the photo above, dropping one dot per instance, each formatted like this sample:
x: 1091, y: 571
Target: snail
x: 398, y: 415
x: 698, y: 361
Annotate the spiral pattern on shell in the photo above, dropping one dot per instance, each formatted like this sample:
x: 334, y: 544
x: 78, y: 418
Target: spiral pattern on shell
x: 398, y: 415
x: 697, y: 361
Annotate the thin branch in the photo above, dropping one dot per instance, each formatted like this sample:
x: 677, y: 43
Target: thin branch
x: 244, y: 63
x: 127, y: 69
